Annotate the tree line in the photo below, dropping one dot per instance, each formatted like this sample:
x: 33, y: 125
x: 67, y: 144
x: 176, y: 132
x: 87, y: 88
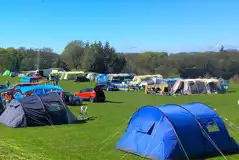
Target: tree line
x: 102, y: 58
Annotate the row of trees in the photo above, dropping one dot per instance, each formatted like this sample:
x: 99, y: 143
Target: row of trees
x: 99, y: 57
x: 186, y: 65
x: 28, y: 59
x: 96, y: 57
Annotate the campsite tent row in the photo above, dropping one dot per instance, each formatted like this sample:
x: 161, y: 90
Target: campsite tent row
x: 158, y: 81
x: 197, y: 86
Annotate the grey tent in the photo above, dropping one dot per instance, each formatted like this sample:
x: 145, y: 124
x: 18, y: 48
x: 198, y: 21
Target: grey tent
x: 37, y: 110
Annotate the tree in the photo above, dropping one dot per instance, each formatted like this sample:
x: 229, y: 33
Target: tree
x: 118, y: 63
x: 222, y: 49
x: 90, y: 54
x: 73, y: 54
x: 100, y: 58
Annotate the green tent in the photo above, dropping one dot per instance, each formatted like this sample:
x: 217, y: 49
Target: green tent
x: 7, y: 73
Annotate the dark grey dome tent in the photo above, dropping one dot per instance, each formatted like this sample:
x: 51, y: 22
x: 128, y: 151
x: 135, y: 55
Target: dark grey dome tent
x: 37, y: 110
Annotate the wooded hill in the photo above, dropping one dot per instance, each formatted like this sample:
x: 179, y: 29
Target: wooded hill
x: 99, y: 57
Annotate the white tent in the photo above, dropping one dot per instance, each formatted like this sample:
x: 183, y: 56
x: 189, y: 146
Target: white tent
x: 91, y: 76
x: 212, y: 85
x: 138, y: 79
x: 189, y: 86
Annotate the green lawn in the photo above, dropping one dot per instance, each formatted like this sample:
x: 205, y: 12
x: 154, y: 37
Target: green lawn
x: 96, y: 139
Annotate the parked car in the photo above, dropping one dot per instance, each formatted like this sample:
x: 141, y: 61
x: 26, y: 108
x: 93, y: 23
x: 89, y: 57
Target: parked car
x: 81, y: 79
x: 115, y: 82
x: 107, y: 86
x: 92, y: 94
x: 70, y: 99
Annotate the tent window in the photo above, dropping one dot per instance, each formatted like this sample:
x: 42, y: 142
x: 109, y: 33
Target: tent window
x: 151, y: 130
x: 54, y: 107
x: 166, y: 89
x: 146, y: 128
x: 212, y: 127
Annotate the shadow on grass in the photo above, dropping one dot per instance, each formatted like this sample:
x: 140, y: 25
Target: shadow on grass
x: 234, y: 150
x: 106, y: 102
x: 77, y: 105
x: 91, y: 118
x: 84, y: 121
x: 112, y: 102
x: 232, y: 91
x: 205, y: 157
x: 217, y: 155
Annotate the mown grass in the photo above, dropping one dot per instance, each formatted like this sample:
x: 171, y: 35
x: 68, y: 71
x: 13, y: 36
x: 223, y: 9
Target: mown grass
x: 96, y: 139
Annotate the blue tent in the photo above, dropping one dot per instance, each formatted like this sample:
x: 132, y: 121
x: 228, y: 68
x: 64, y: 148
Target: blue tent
x: 176, y: 132
x: 47, y: 87
x: 38, y: 89
x: 225, y: 87
x: 101, y: 78
x: 171, y: 81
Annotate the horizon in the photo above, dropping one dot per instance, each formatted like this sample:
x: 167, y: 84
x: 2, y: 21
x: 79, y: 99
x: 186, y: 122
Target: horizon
x: 129, y: 26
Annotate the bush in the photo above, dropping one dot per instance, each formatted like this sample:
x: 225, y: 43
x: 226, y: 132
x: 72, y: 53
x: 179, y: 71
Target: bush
x: 235, y: 79
x: 173, y: 75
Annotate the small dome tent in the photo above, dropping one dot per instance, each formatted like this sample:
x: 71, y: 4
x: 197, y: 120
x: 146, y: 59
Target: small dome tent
x: 7, y: 73
x: 176, y: 132
x: 37, y: 110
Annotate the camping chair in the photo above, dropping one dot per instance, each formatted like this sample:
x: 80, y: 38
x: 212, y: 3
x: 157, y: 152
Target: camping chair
x: 83, y: 113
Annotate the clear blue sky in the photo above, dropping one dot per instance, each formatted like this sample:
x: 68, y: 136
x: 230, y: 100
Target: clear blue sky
x: 129, y: 25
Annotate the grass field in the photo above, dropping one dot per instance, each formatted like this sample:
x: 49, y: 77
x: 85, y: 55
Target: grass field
x: 96, y: 139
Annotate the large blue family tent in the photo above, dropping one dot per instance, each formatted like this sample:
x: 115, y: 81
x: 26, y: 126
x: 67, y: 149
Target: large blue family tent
x: 176, y: 132
x: 37, y: 90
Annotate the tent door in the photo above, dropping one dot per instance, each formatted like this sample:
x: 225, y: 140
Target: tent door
x: 193, y: 87
x: 143, y: 135
x: 201, y: 87
x: 214, y: 87
x: 180, y: 87
x: 57, y: 113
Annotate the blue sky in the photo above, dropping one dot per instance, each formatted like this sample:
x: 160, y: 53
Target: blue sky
x: 129, y: 25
